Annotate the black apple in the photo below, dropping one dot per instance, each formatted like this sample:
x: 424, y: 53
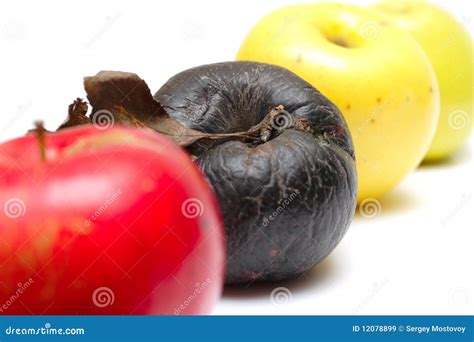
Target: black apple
x: 288, y: 197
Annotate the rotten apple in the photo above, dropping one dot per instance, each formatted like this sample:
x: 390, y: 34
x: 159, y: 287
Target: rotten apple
x: 288, y: 197
x: 115, y: 221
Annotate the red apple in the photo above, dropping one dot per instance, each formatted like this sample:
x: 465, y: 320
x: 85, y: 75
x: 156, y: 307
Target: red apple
x: 106, y: 222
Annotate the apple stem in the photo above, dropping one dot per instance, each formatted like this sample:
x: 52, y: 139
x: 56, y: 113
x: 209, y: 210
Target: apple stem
x: 272, y: 125
x: 41, y: 138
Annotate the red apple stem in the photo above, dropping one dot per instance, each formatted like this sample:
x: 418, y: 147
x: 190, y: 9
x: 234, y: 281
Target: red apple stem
x: 41, y: 138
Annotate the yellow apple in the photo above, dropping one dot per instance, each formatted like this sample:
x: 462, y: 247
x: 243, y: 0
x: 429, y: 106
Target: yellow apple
x: 377, y: 75
x: 449, y: 48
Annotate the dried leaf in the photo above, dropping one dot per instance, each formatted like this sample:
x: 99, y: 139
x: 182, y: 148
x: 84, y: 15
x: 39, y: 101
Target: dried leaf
x: 76, y: 114
x: 127, y: 100
x: 109, y: 89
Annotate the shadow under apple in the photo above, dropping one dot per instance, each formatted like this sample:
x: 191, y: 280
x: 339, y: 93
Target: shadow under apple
x: 318, y: 277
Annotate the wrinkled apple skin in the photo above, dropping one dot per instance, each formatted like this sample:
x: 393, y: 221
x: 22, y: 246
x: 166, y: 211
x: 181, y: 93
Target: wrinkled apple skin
x: 113, y: 222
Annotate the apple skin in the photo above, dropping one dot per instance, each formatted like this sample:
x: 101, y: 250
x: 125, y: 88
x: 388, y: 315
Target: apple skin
x: 449, y: 47
x: 377, y: 75
x: 113, y: 222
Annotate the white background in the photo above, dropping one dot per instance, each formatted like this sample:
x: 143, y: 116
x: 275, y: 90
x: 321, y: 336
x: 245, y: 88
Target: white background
x: 416, y: 257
